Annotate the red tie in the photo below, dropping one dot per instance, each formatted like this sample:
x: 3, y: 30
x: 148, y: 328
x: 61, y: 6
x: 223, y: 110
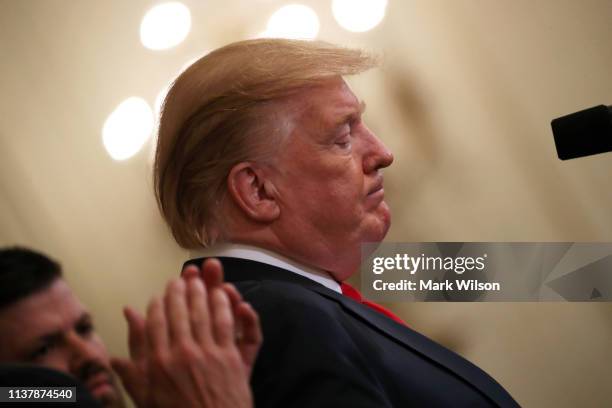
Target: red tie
x: 349, y: 291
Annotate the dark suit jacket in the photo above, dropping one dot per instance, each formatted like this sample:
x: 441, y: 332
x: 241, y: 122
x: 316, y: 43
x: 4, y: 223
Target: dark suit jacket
x: 322, y: 349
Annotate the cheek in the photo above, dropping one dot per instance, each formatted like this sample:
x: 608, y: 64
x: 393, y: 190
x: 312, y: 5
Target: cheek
x: 343, y: 210
x: 57, y: 359
x: 338, y: 184
x: 326, y: 192
x: 342, y: 193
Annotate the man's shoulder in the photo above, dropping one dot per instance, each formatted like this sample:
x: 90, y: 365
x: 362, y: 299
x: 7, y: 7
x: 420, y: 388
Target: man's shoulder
x: 287, y: 295
x: 289, y: 306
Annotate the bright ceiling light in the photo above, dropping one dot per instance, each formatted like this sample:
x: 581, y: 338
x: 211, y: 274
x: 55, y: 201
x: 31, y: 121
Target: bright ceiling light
x: 127, y: 128
x: 294, y: 21
x: 165, y: 25
x: 359, y: 15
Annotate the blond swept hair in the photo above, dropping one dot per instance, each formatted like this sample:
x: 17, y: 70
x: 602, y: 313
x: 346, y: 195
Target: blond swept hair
x: 219, y: 112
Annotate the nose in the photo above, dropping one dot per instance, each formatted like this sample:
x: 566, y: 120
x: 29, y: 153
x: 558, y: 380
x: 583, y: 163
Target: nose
x: 377, y: 156
x: 84, y: 353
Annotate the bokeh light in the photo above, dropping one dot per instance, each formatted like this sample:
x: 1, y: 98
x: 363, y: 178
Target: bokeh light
x: 127, y: 128
x: 165, y: 25
x: 294, y: 21
x: 359, y: 15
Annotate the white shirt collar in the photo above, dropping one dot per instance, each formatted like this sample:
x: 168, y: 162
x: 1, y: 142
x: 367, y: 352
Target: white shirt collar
x: 242, y: 251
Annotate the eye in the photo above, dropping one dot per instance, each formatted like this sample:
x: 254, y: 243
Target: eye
x: 40, y: 352
x: 84, y: 327
x: 343, y: 142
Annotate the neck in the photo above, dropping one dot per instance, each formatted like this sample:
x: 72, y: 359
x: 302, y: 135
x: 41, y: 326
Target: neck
x: 258, y: 254
x: 314, y: 252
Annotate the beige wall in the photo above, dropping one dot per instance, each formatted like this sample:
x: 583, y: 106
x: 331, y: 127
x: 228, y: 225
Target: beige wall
x: 465, y: 100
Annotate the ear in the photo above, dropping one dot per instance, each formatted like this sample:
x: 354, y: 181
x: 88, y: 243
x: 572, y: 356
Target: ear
x: 253, y: 192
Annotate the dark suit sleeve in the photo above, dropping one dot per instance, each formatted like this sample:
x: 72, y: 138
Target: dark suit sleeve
x: 308, y: 357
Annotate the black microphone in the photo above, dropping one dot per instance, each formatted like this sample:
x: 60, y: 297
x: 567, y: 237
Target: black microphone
x: 583, y: 133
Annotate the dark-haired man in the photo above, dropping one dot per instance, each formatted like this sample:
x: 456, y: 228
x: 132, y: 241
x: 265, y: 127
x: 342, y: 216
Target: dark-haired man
x: 42, y: 322
x: 186, y: 351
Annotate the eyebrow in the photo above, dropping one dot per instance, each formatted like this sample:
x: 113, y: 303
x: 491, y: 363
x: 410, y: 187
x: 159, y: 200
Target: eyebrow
x: 55, y: 336
x: 351, y: 116
x: 48, y: 338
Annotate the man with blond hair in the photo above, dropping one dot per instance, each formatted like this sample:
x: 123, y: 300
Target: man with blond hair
x: 263, y: 160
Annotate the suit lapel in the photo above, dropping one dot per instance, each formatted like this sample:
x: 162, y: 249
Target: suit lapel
x: 239, y: 270
x: 418, y: 343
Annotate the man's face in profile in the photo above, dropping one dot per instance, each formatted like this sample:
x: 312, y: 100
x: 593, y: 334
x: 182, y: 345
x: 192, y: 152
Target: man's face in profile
x: 53, y: 329
x: 330, y: 181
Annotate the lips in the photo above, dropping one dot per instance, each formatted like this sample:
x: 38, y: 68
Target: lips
x: 378, y: 186
x: 98, y: 382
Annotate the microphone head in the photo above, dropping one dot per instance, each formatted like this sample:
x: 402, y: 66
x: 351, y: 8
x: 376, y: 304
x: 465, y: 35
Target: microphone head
x: 583, y: 133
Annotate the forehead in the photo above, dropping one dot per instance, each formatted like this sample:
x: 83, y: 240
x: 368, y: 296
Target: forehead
x: 52, y: 309
x: 327, y: 101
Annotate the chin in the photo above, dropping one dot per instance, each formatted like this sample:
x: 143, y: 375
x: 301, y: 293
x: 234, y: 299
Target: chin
x: 109, y: 398
x: 380, y: 225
